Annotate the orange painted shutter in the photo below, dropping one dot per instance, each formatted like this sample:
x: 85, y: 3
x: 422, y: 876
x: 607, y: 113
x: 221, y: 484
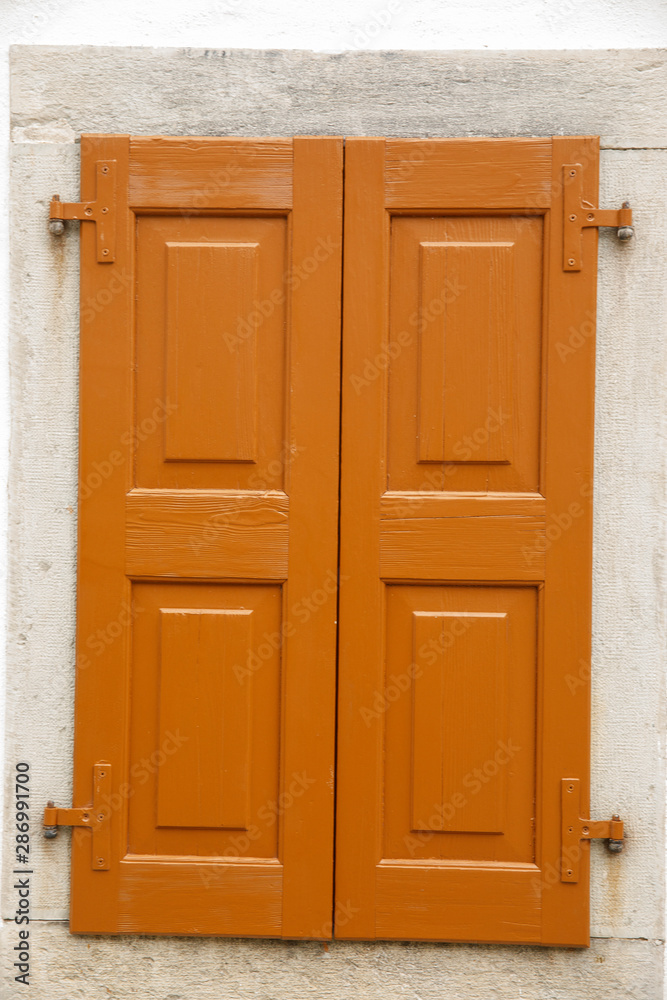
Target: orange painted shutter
x: 468, y: 363
x: 206, y: 633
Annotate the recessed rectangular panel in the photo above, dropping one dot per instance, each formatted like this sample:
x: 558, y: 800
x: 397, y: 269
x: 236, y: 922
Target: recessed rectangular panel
x: 211, y: 371
x: 458, y: 712
x: 212, y: 361
x: 458, y: 718
x: 464, y: 353
x: 205, y: 783
x: 466, y: 328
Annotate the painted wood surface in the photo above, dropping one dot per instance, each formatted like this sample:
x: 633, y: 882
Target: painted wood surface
x: 208, y: 539
x: 207, y: 173
x: 473, y: 333
x: 458, y: 654
x: 466, y: 540
x: 468, y: 173
x: 207, y: 534
x: 211, y: 376
x: 208, y: 527
x: 210, y: 710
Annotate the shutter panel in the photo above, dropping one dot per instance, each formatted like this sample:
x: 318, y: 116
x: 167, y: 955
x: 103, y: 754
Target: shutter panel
x: 465, y: 540
x: 208, y: 536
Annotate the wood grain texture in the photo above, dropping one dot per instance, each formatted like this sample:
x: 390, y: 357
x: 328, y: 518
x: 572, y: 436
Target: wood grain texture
x: 204, y: 737
x: 409, y: 504
x: 501, y: 513
x: 468, y: 173
x: 103, y: 590
x: 465, y: 370
x: 208, y: 173
x: 202, y: 699
x: 474, y: 904
x: 361, y: 631
x: 458, y: 718
x: 464, y: 352
x: 567, y: 475
x: 211, y: 372
x: 309, y: 733
x: 487, y: 542
x: 202, y: 905
x: 460, y: 664
x: 181, y: 533
x: 485, y: 545
x: 187, y: 519
x: 211, y: 351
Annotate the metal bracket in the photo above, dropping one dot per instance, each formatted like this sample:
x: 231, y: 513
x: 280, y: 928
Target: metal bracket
x: 102, y: 212
x: 579, y: 214
x: 96, y: 817
x: 576, y: 829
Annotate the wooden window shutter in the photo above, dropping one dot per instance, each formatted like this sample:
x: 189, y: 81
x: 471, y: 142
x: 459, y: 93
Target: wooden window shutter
x: 208, y: 704
x: 206, y: 633
x: 467, y: 433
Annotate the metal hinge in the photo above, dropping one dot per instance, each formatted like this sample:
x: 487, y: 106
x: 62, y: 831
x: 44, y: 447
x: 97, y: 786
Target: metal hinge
x: 575, y: 829
x: 579, y: 214
x: 96, y: 817
x: 102, y: 212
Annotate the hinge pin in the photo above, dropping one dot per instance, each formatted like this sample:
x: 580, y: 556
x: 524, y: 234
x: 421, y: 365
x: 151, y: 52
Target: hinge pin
x: 50, y: 832
x: 56, y: 226
x: 615, y: 846
x: 625, y: 232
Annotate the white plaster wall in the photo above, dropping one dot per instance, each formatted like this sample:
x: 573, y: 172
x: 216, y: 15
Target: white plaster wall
x: 338, y: 25
x: 625, y: 103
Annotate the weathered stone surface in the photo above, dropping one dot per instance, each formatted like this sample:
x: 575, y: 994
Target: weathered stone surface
x: 90, y: 968
x: 619, y: 95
